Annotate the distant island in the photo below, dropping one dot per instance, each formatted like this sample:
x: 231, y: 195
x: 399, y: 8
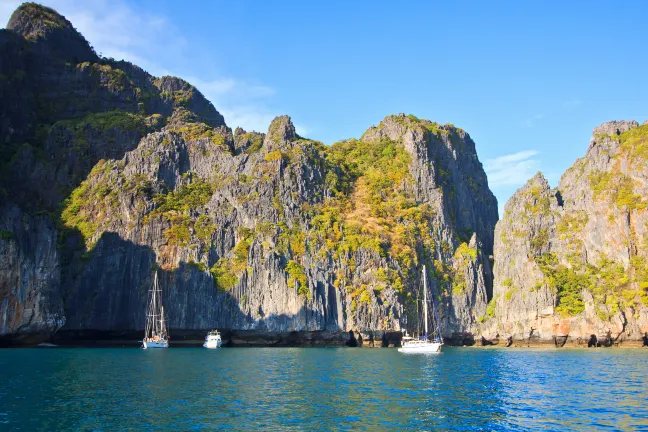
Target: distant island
x: 108, y: 174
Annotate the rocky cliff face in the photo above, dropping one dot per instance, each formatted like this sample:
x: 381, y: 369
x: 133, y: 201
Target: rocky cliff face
x: 573, y: 260
x: 110, y: 174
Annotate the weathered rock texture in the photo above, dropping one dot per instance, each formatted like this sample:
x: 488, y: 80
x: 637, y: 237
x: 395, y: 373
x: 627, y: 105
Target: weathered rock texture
x: 572, y: 261
x: 110, y: 174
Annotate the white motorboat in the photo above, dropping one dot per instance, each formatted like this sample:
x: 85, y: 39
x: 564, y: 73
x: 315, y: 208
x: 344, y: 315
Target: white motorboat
x: 156, y: 335
x: 213, y: 340
x: 423, y: 344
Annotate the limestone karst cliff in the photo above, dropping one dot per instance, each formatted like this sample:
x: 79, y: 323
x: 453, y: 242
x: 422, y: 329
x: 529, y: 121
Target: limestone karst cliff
x: 573, y: 261
x: 109, y: 174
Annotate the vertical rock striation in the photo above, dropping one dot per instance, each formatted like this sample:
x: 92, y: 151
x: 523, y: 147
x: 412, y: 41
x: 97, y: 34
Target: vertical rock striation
x: 572, y: 261
x: 109, y: 174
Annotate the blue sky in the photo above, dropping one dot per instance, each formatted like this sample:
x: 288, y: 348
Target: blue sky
x: 528, y: 80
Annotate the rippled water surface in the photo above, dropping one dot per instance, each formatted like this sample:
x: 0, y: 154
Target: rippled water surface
x: 322, y: 389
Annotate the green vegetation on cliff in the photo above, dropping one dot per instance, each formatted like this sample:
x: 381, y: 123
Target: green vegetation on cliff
x: 176, y: 207
x: 634, y: 143
x: 105, y: 121
x: 227, y: 271
x: 371, y: 205
x: 610, y: 284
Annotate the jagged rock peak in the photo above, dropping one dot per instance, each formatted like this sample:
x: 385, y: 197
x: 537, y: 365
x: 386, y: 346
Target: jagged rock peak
x: 399, y: 124
x: 615, y: 127
x: 608, y: 129
x: 32, y: 20
x: 51, y: 31
x: 537, y: 180
x: 193, y: 105
x: 534, y: 187
x: 172, y: 84
x: 281, y: 130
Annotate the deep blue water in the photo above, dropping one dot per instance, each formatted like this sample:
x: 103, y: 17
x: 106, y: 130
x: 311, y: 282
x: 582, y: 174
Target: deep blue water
x: 322, y: 389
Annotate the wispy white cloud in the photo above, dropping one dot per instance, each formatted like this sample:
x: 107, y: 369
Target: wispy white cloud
x: 242, y: 103
x: 511, y: 169
x: 571, y: 104
x: 154, y: 43
x: 533, y: 120
x: 301, y: 130
x: 249, y: 118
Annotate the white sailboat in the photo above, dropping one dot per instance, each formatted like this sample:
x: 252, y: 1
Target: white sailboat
x: 423, y: 344
x: 156, y: 332
x: 213, y: 340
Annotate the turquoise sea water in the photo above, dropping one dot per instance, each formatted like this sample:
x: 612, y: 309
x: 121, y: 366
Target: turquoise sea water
x: 322, y: 389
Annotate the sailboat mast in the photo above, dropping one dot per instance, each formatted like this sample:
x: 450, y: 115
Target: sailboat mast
x: 425, y: 306
x: 162, y: 320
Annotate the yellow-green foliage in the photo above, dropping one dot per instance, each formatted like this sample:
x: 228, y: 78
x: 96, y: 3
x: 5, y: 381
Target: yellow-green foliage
x: 443, y: 273
x: 201, y: 131
x: 274, y: 155
x: 539, y: 240
x: 600, y: 182
x: 47, y: 18
x: 465, y: 253
x: 298, y: 276
x: 572, y: 224
x: 256, y: 142
x: 291, y: 239
x: 90, y: 204
x: 185, y: 198
x: 227, y: 271
x: 103, y: 122
x: 458, y: 284
x: 618, y: 188
x: 176, y: 206
x: 204, y: 228
x: 197, y: 265
x: 510, y: 293
x: 113, y: 78
x: 182, y: 97
x: 507, y: 282
x: 265, y: 228
x: 225, y: 277
x: 609, y: 283
x: 463, y: 256
x: 535, y: 202
x: 635, y: 143
x: 433, y: 127
x: 490, y: 310
x: 371, y: 207
x: 567, y: 284
x: 365, y: 297
x: 179, y: 233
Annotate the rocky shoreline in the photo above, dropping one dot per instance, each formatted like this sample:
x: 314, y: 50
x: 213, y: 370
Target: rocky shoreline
x: 255, y: 338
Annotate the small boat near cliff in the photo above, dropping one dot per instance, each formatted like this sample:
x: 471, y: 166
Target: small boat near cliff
x: 155, y: 335
x: 213, y: 340
x: 423, y: 344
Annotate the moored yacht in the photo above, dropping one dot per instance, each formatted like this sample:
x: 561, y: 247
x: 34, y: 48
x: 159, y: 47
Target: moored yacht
x: 423, y: 344
x: 155, y: 335
x: 213, y: 340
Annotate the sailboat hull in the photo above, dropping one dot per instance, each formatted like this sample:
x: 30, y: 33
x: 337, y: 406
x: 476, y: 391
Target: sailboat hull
x: 155, y: 344
x: 421, y: 347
